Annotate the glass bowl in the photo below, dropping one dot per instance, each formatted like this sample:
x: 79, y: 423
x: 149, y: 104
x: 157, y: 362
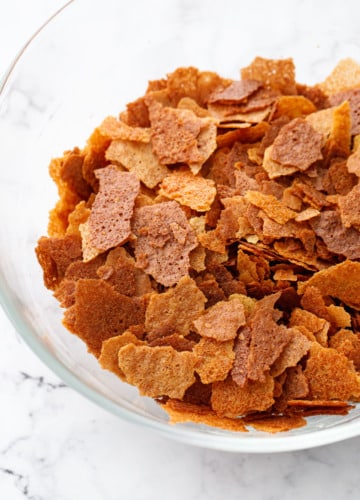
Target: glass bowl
x: 87, y: 62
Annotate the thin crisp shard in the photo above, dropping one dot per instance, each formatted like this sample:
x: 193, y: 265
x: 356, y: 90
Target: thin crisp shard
x: 341, y: 281
x: 157, y: 371
x: 181, y: 412
x: 272, y: 206
x: 330, y: 375
x: 276, y: 74
x: 297, y: 145
x: 275, y: 423
x: 176, y: 134
x: 228, y: 399
x: 100, y: 312
x: 111, y: 212
x: 298, y: 346
x: 174, y: 310
x: 345, y: 76
x: 139, y: 158
x: 236, y: 92
x: 214, y: 359
x: 164, y: 240
x: 221, y: 321
x: 110, y: 348
x: 268, y: 339
x: 190, y: 190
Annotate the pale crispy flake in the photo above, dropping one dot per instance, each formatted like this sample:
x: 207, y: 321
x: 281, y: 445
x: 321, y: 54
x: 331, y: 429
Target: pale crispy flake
x: 109, y: 221
x: 116, y: 129
x: 345, y: 76
x: 297, y: 145
x: 164, y: 241
x: 139, y: 158
x: 180, y: 411
x: 221, y: 321
x: 273, y: 208
x: 174, y: 310
x: 330, y: 375
x: 157, y: 371
x: 190, y: 190
x: 214, y: 359
x: 228, y: 399
x: 276, y: 74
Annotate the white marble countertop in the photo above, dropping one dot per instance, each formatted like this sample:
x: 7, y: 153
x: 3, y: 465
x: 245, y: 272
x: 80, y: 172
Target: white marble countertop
x: 55, y: 445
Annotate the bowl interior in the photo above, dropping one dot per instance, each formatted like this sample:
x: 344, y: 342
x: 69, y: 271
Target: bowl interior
x: 88, y: 62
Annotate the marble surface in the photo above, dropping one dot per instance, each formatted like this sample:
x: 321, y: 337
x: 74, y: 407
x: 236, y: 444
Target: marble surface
x: 55, y: 445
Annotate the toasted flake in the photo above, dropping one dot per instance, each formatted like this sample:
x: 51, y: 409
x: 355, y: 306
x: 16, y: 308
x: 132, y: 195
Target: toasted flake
x: 348, y: 343
x: 276, y: 423
x: 192, y: 191
x: 268, y: 339
x: 221, y: 321
x: 330, y: 375
x: 236, y: 92
x: 214, y: 359
x: 318, y: 326
x: 116, y: 129
x: 274, y: 168
x: 338, y: 144
x: 109, y: 221
x: 55, y: 255
x: 180, y: 412
x: 345, y: 76
x: 298, y: 346
x: 230, y: 400
x: 243, y: 134
x: 138, y: 157
x: 78, y: 216
x: 353, y: 97
x: 157, y: 371
x: 276, y: 74
x: 241, y: 350
x: 292, y: 106
x: 175, y: 134
x: 337, y: 238
x: 164, y: 241
x: 295, y: 385
x: 109, y: 355
x: 178, y: 342
x: 273, y: 208
x: 175, y: 310
x: 349, y: 208
x: 353, y: 163
x: 340, y: 317
x: 297, y: 145
x: 100, y: 312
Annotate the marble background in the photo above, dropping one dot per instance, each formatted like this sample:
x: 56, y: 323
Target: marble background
x: 55, y: 445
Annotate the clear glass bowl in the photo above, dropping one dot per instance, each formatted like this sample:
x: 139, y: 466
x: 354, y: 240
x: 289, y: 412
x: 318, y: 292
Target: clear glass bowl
x: 87, y: 62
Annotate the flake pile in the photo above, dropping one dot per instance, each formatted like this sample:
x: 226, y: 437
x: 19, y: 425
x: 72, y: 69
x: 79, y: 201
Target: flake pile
x: 206, y: 245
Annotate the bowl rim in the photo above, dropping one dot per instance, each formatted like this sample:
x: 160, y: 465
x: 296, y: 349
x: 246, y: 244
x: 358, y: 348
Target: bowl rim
x: 233, y: 442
